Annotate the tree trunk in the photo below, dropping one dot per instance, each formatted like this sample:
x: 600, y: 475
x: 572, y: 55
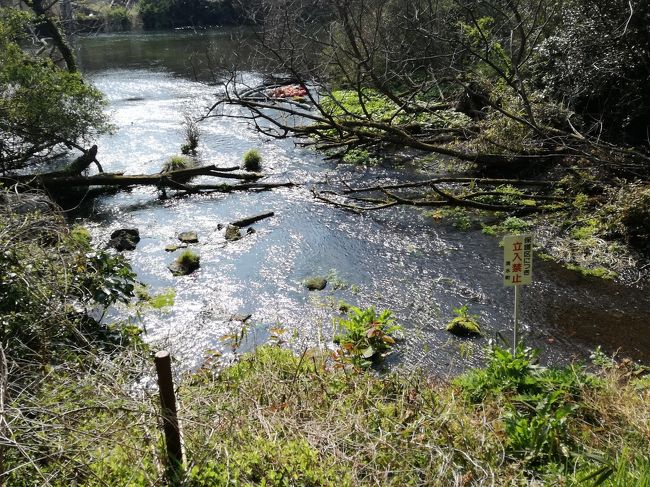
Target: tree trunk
x: 54, y: 32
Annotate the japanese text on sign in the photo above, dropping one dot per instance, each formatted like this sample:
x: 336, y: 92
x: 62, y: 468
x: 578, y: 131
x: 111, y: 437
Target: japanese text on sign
x: 517, y: 260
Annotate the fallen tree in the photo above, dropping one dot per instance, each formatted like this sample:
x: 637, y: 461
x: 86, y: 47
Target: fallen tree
x: 495, y: 195
x: 59, y: 180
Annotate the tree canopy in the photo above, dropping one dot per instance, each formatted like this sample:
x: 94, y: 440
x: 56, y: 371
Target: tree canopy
x: 44, y: 110
x: 538, y: 80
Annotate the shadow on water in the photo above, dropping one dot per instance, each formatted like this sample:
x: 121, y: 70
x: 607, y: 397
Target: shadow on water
x: 397, y: 259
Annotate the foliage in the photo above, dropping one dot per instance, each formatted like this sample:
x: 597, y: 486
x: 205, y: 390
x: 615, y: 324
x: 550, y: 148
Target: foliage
x: 634, y: 214
x: 277, y: 418
x: 252, y: 160
x: 366, y: 335
x: 599, y: 272
x: 42, y: 108
x: 51, y: 278
x: 459, y: 217
x: 596, y: 60
x: 542, y: 401
x: 510, y: 225
x: 360, y: 157
x: 192, y: 135
x: 117, y: 18
x: 157, y: 301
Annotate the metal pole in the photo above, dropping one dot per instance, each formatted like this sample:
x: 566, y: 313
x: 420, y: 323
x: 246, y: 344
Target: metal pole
x: 169, y: 415
x: 515, y: 338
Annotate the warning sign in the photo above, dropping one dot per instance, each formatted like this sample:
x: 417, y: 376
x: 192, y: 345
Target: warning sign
x: 517, y: 260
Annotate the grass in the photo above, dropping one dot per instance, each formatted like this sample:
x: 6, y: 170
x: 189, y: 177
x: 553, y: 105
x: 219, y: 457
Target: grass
x: 177, y: 163
x: 277, y: 418
x: 188, y: 258
x: 157, y: 301
x: 252, y: 160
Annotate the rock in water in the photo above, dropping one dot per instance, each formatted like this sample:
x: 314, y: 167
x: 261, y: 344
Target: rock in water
x: 188, y: 237
x: 232, y: 233
x: 315, y: 283
x: 124, y: 239
x: 243, y: 317
x: 462, y: 326
x: 181, y: 268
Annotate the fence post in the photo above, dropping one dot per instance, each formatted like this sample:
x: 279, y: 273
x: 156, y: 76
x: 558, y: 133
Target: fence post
x: 169, y: 416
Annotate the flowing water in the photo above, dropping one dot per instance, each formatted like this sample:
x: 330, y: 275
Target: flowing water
x: 396, y: 259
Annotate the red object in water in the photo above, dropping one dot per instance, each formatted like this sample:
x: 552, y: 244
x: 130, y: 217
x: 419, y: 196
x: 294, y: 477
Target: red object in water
x: 289, y: 91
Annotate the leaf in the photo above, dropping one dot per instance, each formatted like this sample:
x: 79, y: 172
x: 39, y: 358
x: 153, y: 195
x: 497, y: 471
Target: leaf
x: 368, y: 352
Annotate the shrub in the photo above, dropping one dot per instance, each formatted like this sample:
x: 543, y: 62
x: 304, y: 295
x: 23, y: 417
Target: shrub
x: 117, y: 18
x: 51, y: 277
x: 252, y: 160
x: 539, y: 401
x: 634, y: 216
x: 366, y: 336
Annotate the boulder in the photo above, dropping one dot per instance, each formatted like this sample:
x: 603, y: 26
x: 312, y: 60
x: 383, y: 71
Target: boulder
x: 188, y: 237
x: 174, y: 247
x: 243, y: 317
x: 315, y: 283
x: 182, y: 268
x: 233, y: 233
x: 124, y: 239
x: 463, y: 326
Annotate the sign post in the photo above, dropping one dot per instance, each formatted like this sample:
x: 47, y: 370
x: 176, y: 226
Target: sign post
x: 517, y: 270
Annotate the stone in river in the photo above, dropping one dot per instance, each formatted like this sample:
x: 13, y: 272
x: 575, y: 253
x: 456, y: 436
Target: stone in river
x: 315, y: 283
x: 188, y: 237
x: 232, y: 233
x: 124, y: 239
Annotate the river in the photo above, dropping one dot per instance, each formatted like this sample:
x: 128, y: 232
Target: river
x: 397, y: 259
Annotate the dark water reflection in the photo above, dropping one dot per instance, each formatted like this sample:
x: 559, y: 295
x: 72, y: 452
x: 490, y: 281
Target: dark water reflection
x: 396, y: 259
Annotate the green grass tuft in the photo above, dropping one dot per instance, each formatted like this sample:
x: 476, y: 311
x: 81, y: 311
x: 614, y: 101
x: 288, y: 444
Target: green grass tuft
x: 252, y: 160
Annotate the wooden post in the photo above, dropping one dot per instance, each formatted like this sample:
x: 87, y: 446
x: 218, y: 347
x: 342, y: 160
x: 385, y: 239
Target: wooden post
x: 169, y: 416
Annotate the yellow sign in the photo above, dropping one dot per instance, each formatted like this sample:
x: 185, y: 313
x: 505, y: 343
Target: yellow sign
x: 517, y: 260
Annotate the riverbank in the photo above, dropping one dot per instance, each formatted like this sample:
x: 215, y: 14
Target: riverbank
x: 279, y: 419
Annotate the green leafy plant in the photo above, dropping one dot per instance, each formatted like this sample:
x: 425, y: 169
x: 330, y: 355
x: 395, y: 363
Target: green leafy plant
x: 366, y: 335
x: 541, y: 433
x: 360, y: 157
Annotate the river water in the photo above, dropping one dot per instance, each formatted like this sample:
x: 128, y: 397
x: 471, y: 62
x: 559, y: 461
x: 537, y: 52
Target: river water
x: 396, y: 259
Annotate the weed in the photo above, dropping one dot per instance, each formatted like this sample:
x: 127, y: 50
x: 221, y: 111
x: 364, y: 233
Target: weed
x: 511, y: 225
x: 360, y: 157
x: 177, y: 163
x: 188, y: 258
x: 156, y: 301
x: 192, y: 135
x: 366, y: 335
x: 599, y: 272
x: 252, y: 160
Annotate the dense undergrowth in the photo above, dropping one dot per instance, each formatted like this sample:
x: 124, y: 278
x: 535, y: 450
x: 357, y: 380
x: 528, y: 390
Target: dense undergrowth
x: 277, y: 418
